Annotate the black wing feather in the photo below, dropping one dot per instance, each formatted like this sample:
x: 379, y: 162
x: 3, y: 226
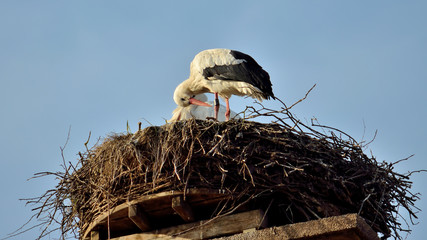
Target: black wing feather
x: 248, y: 71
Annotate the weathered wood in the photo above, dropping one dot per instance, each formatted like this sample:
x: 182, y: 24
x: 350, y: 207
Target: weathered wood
x: 249, y: 230
x: 138, y: 217
x: 216, y: 227
x: 344, y: 227
x: 183, y: 209
x: 149, y: 236
x: 94, y: 235
x: 154, y: 205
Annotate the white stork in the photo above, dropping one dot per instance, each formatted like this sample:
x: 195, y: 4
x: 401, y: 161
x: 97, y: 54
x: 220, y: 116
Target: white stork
x: 224, y: 72
x: 199, y: 112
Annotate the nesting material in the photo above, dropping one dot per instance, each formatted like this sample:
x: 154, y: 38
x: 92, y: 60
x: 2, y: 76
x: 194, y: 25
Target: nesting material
x: 291, y: 171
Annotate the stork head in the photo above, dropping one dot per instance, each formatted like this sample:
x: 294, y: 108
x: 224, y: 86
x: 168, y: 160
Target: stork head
x: 182, y: 113
x: 183, y: 97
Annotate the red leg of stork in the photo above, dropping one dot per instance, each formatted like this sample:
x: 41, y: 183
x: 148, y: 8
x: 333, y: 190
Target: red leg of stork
x: 227, y: 111
x: 216, y: 107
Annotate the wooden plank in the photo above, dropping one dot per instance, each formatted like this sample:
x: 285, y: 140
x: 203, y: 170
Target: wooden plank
x: 216, y: 227
x: 147, y: 236
x: 183, y: 209
x: 344, y: 227
x: 138, y: 217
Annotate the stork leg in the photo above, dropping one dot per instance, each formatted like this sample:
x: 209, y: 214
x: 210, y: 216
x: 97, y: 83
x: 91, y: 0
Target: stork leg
x: 227, y: 111
x: 216, y: 107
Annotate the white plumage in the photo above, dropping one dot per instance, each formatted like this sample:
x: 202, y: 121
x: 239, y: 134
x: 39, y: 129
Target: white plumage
x: 200, y: 112
x: 224, y: 72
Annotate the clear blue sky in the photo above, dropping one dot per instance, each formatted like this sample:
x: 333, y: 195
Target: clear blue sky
x: 94, y: 65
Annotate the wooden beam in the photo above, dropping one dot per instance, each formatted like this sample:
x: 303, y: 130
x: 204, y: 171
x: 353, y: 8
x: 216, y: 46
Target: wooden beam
x: 148, y: 236
x: 182, y: 208
x: 216, y: 227
x: 138, y: 217
x: 344, y: 227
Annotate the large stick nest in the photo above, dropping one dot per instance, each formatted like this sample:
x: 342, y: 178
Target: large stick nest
x: 296, y: 172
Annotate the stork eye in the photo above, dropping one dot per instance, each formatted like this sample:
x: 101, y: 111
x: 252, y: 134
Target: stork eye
x: 193, y: 96
x: 182, y: 99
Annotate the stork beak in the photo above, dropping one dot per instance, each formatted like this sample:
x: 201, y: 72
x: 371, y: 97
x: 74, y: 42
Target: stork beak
x: 198, y: 102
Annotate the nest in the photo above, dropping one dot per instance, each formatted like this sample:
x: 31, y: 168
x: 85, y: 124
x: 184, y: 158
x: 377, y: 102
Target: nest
x: 286, y: 167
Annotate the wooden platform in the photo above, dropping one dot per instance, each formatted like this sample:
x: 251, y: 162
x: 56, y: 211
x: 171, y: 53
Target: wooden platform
x: 344, y: 227
x: 175, y: 215
x: 157, y: 211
